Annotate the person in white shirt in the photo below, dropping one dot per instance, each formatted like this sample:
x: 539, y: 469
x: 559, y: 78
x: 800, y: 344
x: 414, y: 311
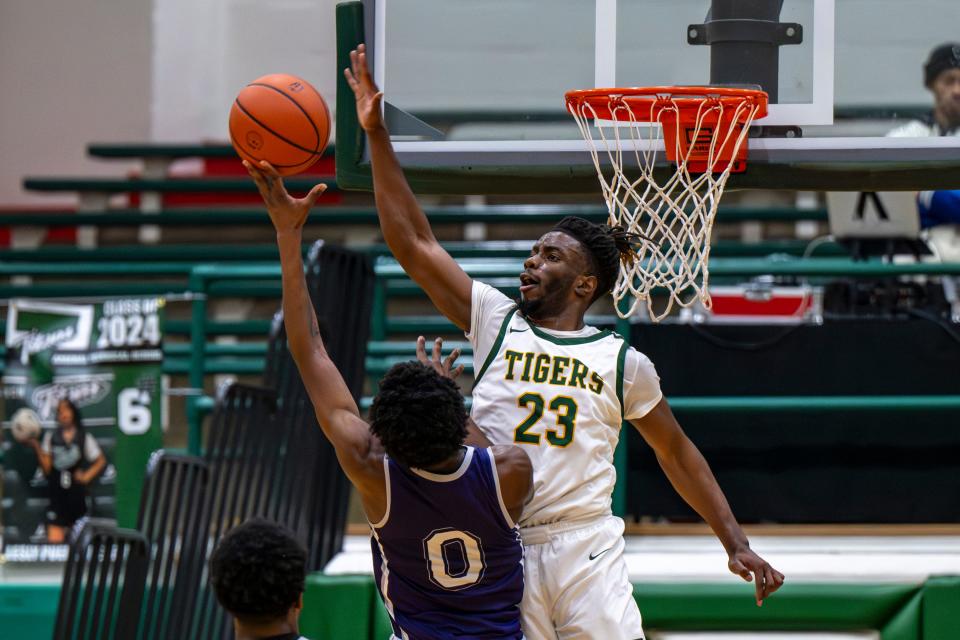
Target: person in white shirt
x: 561, y: 389
x: 941, y: 75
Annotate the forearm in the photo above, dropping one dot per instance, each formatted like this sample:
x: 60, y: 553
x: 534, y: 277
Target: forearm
x: 45, y: 460
x: 96, y: 468
x: 692, y: 478
x: 299, y: 318
x: 402, y: 221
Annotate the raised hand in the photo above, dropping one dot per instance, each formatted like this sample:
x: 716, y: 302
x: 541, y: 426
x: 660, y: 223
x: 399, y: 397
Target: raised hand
x: 364, y: 90
x: 286, y: 212
x: 443, y: 367
x: 751, y: 567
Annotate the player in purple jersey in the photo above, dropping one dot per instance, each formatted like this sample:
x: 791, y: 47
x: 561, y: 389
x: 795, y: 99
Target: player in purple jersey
x: 447, y: 552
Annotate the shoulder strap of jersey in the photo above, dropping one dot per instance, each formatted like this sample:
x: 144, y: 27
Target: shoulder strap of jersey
x: 492, y: 461
x: 495, y: 349
x: 621, y: 363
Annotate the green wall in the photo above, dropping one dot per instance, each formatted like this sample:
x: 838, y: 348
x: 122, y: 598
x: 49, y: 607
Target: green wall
x: 348, y: 607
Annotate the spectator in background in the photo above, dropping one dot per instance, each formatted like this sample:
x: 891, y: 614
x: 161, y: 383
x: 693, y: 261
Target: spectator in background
x: 258, y: 573
x: 71, y: 459
x: 941, y: 75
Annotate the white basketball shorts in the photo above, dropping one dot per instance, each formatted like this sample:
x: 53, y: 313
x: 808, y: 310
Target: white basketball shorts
x: 576, y: 584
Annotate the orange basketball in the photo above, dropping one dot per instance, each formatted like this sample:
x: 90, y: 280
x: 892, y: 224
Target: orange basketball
x: 281, y: 119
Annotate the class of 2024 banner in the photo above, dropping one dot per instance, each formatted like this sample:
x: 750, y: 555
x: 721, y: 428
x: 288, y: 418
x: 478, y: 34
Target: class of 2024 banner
x: 106, y: 357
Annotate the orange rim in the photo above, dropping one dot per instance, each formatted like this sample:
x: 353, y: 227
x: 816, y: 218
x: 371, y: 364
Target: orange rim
x: 641, y: 102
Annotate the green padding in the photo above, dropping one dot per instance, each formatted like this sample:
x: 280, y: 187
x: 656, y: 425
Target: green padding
x: 349, y: 607
x: 730, y: 606
x: 339, y: 607
x: 905, y: 624
x: 941, y: 608
x: 28, y: 611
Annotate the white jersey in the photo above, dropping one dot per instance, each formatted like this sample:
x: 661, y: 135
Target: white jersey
x: 921, y: 129
x: 562, y: 395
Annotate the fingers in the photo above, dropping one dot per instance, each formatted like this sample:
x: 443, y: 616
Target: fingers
x: 314, y: 193
x: 774, y: 580
x: 358, y: 75
x: 436, y: 360
x: 364, y: 74
x: 258, y: 179
x: 354, y: 62
x: 450, y: 359
x: 358, y: 61
x: 352, y: 81
x: 738, y: 568
x: 271, y: 179
x: 269, y: 169
x: 760, y: 587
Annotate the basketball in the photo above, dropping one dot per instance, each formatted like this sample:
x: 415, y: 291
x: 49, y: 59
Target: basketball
x: 25, y: 424
x: 282, y: 119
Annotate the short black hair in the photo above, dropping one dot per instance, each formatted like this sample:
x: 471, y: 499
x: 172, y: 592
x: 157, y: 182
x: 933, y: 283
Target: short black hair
x: 942, y: 58
x: 258, y: 571
x: 418, y: 415
x: 605, y: 247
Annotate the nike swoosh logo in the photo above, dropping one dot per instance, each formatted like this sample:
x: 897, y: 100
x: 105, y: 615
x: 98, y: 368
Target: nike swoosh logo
x: 512, y: 330
x: 594, y: 556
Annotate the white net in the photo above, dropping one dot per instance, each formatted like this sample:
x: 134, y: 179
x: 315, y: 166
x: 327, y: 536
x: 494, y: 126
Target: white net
x: 674, y: 220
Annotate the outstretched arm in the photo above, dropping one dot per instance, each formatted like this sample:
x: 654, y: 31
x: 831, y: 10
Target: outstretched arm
x: 336, y: 410
x: 405, y: 227
x: 691, y: 476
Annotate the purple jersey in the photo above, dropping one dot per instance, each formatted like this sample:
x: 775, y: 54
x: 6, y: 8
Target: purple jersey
x: 447, y: 557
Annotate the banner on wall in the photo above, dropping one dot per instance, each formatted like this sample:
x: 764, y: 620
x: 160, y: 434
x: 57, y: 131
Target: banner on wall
x: 105, y: 358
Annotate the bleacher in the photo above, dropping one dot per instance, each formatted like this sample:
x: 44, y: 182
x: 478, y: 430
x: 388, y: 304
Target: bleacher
x: 238, y: 306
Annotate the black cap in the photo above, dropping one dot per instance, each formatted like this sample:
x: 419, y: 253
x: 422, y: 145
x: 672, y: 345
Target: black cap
x: 944, y: 57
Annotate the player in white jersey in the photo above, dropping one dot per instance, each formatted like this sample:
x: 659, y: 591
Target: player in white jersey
x: 560, y: 388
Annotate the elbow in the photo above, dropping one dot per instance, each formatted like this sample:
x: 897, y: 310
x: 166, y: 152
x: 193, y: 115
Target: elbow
x: 303, y: 348
x: 411, y: 246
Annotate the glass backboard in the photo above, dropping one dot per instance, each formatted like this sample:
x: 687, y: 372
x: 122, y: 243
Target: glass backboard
x: 475, y: 89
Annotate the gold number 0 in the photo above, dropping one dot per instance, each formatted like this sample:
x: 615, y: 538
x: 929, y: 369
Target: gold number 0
x: 564, y: 406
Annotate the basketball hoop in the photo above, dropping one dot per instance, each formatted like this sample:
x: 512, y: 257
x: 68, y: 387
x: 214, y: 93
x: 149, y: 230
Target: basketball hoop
x: 704, y: 130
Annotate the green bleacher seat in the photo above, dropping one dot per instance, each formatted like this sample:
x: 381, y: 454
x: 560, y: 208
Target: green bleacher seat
x: 165, y: 185
x: 492, y: 214
x: 128, y: 150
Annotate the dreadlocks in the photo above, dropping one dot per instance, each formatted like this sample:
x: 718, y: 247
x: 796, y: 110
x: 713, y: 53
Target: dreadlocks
x: 606, y: 247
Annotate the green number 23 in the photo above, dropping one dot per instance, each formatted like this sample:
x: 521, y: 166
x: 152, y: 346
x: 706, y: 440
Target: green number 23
x: 565, y: 409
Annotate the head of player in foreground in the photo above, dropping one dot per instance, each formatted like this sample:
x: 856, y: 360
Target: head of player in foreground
x: 258, y: 571
x: 571, y: 266
x: 419, y: 417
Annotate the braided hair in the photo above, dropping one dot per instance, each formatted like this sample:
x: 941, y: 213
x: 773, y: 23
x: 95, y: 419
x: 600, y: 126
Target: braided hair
x: 606, y: 247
